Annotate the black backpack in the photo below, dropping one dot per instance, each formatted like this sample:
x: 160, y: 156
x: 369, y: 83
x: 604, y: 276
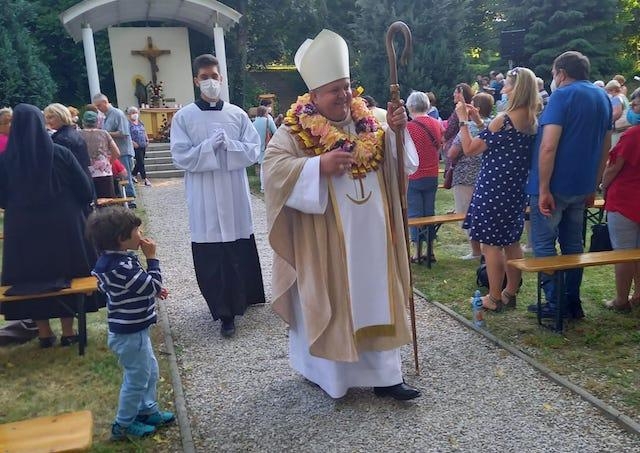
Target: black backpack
x: 482, y: 278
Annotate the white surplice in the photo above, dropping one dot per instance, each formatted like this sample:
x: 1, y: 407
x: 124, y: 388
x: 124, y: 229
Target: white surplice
x: 215, y: 179
x: 364, y: 228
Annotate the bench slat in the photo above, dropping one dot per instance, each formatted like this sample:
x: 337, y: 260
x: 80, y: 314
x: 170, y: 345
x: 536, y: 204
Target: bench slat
x: 102, y: 202
x: 550, y: 264
x: 83, y: 285
x: 436, y: 219
x: 68, y: 432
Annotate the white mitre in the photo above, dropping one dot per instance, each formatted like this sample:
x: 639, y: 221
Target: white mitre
x: 323, y: 59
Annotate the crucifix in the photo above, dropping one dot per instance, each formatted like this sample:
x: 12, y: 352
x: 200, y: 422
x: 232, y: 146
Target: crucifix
x: 151, y: 53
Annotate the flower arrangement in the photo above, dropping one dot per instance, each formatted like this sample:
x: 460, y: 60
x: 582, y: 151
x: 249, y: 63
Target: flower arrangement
x: 317, y: 135
x: 156, y: 94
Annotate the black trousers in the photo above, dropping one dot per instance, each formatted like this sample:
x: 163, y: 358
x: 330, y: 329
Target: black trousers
x: 229, y: 276
x: 139, y: 167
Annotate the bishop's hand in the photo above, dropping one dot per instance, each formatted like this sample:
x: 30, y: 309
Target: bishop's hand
x: 396, y: 117
x: 335, y: 163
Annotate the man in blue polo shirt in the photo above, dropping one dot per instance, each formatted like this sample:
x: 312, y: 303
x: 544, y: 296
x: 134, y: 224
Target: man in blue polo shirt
x: 117, y: 124
x: 569, y: 157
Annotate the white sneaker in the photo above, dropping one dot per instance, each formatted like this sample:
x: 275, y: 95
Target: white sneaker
x: 527, y: 249
x: 147, y: 182
x: 135, y: 181
x: 470, y: 256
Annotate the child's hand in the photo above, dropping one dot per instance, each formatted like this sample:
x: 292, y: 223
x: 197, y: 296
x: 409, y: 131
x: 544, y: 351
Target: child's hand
x: 163, y: 294
x: 148, y: 248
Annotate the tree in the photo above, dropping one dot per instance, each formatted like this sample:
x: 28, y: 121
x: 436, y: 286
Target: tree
x: 438, y: 61
x: 555, y: 26
x: 23, y: 75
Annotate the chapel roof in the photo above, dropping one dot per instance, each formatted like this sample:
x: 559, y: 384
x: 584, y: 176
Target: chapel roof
x: 201, y: 15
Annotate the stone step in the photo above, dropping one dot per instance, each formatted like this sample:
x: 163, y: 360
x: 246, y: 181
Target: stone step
x: 165, y: 174
x: 157, y: 146
x: 158, y: 153
x: 153, y: 159
x: 150, y: 167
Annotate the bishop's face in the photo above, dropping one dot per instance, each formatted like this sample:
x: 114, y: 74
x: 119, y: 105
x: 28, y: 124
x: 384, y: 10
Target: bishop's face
x: 333, y: 100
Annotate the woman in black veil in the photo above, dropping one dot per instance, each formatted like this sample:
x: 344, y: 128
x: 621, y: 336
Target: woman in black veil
x: 45, y: 193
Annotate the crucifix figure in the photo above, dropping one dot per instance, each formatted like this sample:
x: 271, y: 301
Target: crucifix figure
x: 151, y: 53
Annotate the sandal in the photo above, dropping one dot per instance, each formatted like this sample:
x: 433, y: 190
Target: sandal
x: 497, y: 302
x: 508, y: 300
x: 68, y: 341
x: 622, y: 308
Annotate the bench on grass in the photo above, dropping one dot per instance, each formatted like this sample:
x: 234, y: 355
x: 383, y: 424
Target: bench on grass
x: 72, y: 431
x: 80, y: 287
x: 103, y: 202
x: 557, y: 265
x: 436, y: 222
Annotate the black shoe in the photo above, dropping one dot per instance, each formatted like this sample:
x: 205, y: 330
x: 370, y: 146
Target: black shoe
x: 576, y: 312
x: 132, y: 205
x: 548, y: 311
x: 401, y: 392
x: 228, y: 327
x: 68, y: 341
x: 47, y: 342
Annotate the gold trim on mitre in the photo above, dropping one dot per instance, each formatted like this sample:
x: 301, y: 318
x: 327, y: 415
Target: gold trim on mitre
x: 323, y: 59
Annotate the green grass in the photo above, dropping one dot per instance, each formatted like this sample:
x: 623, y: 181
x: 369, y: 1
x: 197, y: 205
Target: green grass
x: 38, y: 382
x: 599, y: 353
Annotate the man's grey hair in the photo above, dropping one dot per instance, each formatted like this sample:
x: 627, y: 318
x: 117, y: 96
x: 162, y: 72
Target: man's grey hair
x: 99, y: 97
x: 418, y: 102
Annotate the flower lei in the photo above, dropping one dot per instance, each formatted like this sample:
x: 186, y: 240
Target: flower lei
x: 318, y: 136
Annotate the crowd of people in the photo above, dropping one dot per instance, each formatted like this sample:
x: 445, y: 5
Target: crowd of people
x: 332, y: 190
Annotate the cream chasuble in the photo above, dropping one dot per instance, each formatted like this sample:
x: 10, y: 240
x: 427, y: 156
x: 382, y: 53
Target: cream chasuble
x: 361, y: 211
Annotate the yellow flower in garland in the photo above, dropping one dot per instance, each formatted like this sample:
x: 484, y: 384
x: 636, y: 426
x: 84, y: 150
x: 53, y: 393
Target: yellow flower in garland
x: 317, y: 135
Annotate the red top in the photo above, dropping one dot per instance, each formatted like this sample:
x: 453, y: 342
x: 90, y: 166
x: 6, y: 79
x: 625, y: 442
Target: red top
x: 427, y: 149
x: 623, y: 194
x: 117, y: 167
x: 3, y: 142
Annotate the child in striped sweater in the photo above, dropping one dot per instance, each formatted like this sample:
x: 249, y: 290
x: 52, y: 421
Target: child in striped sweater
x: 131, y: 293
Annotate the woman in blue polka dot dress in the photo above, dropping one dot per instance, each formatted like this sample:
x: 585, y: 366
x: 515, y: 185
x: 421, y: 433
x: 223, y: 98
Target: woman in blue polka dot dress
x: 496, y: 214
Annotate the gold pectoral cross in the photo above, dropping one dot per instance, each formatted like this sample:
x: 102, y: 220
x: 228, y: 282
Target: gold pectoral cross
x: 360, y: 198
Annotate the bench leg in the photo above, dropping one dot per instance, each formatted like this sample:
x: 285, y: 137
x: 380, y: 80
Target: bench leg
x: 539, y: 299
x: 429, y: 248
x: 82, y: 324
x: 560, y: 300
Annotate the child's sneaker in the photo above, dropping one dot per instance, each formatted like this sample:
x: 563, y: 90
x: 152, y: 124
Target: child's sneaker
x: 135, y: 429
x: 158, y: 419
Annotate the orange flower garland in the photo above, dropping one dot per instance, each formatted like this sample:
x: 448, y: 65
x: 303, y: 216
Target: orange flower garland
x: 317, y: 135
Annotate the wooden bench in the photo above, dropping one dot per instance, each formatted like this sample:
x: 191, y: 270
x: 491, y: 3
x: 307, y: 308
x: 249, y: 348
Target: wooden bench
x: 436, y: 222
x: 557, y: 265
x: 103, y: 202
x: 72, y: 431
x: 80, y: 287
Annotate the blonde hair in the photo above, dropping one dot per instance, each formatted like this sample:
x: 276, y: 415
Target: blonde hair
x: 5, y: 111
x: 61, y: 112
x: 524, y: 95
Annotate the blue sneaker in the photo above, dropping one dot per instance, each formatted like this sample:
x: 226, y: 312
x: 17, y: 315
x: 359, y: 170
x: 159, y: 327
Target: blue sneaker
x: 135, y: 429
x: 158, y: 419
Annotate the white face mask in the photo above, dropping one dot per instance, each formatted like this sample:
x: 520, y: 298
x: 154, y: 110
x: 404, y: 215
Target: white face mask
x: 553, y: 85
x: 135, y: 116
x: 210, y: 88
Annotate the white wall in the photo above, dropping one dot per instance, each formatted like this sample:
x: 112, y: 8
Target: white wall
x: 174, y: 68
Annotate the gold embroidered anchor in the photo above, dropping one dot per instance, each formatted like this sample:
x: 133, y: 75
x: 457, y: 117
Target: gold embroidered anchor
x: 362, y: 199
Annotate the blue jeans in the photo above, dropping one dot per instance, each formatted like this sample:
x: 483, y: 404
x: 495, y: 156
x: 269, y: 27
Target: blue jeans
x: 421, y: 201
x: 127, y: 161
x: 138, y: 394
x: 565, y: 226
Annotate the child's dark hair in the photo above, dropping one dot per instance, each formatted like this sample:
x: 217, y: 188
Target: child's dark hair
x: 107, y: 227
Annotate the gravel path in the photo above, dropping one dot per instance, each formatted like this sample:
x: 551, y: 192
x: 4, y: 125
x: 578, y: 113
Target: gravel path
x: 242, y: 395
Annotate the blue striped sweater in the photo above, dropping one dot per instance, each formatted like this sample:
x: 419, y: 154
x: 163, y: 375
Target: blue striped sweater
x: 131, y: 291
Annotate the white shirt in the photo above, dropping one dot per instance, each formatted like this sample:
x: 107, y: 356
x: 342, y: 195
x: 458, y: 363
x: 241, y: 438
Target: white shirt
x: 216, y: 181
